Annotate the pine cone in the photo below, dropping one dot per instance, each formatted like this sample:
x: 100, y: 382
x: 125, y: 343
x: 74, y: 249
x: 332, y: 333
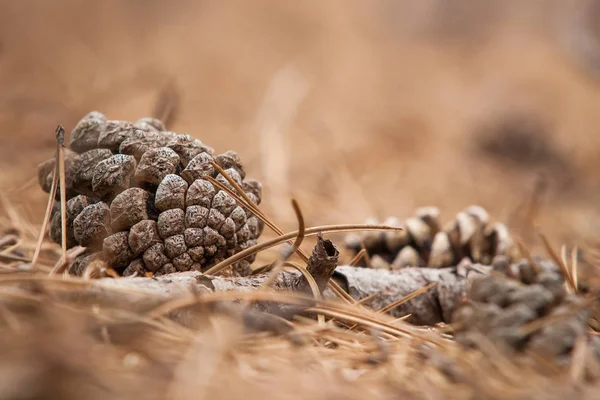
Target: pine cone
x: 138, y: 199
x: 425, y: 243
x: 501, y: 305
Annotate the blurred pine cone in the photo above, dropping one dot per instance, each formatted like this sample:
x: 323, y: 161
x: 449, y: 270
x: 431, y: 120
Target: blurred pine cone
x: 505, y: 307
x: 139, y: 201
x: 425, y: 243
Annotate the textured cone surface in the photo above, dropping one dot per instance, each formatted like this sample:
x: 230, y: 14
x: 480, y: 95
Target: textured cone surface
x: 425, y: 242
x: 504, y: 306
x: 139, y: 200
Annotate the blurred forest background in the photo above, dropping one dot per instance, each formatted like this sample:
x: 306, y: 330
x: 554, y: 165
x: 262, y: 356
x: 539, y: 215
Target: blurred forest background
x: 356, y: 108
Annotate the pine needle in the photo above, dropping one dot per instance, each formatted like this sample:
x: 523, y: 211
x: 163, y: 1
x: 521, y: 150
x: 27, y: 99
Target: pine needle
x: 60, y: 148
x: 354, y: 261
x: 42, y: 234
x: 242, y: 198
x: 563, y: 268
x: 309, y: 232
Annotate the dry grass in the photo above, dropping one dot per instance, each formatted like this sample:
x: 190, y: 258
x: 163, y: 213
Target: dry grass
x: 355, y: 109
x: 60, y: 343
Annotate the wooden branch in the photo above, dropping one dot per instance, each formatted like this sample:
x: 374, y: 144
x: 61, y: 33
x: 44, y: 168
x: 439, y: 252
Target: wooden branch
x: 386, y: 287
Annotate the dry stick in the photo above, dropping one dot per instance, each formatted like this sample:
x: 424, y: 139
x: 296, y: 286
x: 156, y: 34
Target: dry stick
x: 558, y: 261
x: 60, y: 148
x: 309, y: 232
x: 49, y: 206
x: 139, y: 290
x: 332, y: 284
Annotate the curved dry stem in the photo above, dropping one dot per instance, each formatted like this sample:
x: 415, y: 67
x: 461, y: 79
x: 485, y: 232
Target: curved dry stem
x: 296, y: 244
x: 314, y: 288
x: 60, y: 164
x: 255, y: 210
x: 49, y: 206
x: 243, y: 199
x: 242, y: 202
x: 309, y: 232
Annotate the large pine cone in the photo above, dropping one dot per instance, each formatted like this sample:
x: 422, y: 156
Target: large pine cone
x: 138, y: 200
x: 425, y: 243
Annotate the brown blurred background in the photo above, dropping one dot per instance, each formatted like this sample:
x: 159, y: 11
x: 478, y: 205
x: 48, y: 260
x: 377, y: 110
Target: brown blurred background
x: 357, y: 108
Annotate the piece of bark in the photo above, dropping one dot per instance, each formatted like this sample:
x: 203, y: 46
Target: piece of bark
x: 435, y: 305
x: 429, y: 308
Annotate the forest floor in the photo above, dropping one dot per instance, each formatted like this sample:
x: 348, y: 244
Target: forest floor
x: 356, y: 110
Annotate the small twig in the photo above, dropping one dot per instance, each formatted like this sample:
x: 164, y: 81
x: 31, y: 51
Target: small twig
x: 60, y: 148
x: 297, y: 242
x: 51, y: 198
